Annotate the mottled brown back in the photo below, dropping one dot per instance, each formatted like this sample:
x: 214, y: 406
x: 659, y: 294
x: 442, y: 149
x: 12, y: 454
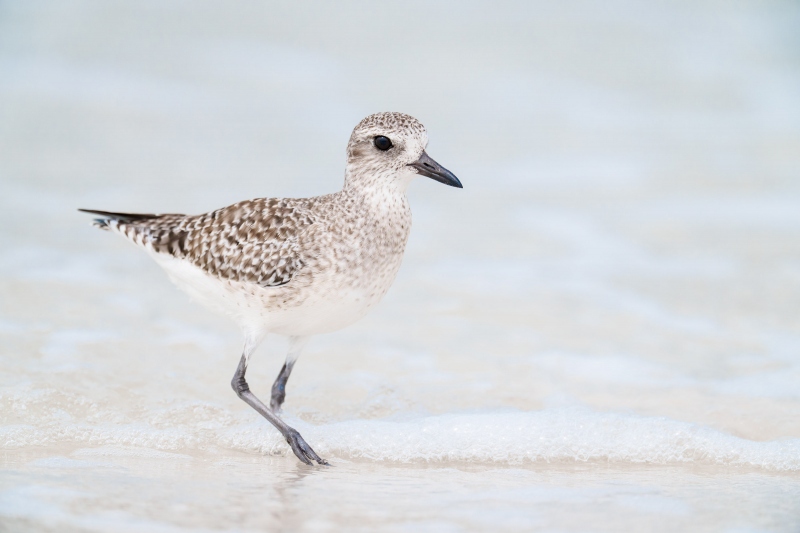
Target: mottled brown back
x: 253, y: 240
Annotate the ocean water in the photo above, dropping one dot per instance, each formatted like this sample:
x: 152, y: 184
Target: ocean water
x: 600, y: 332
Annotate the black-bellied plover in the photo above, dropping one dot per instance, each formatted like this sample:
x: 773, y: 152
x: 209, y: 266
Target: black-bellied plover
x: 297, y: 267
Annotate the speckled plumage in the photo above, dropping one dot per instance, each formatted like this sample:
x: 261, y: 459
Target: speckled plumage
x: 253, y: 241
x: 298, y: 267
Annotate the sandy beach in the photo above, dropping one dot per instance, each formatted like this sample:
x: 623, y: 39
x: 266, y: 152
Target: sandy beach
x: 600, y: 332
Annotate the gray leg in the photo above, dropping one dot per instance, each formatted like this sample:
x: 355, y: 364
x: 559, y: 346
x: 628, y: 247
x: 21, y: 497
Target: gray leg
x: 296, y: 345
x: 299, y: 446
x: 279, y: 387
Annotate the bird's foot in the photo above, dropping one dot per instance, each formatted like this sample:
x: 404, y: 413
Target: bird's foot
x: 301, y: 448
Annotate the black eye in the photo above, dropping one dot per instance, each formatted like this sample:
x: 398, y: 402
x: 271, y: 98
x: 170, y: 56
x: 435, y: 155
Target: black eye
x: 382, y: 143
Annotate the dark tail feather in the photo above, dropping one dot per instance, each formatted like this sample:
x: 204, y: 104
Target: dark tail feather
x: 125, y: 218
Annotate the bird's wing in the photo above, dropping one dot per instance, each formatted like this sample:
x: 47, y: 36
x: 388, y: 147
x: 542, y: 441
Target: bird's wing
x: 253, y: 241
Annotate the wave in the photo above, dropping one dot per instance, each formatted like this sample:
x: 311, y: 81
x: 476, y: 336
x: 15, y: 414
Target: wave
x: 501, y: 438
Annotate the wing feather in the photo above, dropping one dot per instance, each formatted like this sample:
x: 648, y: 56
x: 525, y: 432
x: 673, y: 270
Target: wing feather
x: 254, y: 241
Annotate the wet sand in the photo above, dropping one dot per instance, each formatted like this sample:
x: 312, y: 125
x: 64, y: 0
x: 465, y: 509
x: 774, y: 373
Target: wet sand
x: 600, y: 332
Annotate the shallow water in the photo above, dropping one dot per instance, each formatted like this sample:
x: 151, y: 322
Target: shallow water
x: 599, y: 332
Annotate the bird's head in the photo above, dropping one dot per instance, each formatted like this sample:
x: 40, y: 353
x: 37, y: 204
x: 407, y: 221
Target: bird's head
x: 388, y: 149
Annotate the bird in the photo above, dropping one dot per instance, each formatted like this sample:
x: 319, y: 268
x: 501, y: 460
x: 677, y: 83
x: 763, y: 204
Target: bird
x: 296, y: 267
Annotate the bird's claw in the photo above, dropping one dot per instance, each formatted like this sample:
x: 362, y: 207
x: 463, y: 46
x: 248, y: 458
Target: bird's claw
x: 302, y: 450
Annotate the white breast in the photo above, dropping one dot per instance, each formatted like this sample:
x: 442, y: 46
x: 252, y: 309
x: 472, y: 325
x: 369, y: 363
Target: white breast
x: 325, y: 307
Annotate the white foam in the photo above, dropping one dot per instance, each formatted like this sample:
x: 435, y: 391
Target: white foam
x: 573, y: 434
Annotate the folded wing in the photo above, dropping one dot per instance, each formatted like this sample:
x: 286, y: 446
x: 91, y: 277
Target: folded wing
x: 253, y: 241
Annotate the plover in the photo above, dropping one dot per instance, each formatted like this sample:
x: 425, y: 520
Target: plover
x: 297, y: 266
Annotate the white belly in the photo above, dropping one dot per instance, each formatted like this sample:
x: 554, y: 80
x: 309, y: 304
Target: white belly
x: 325, y: 307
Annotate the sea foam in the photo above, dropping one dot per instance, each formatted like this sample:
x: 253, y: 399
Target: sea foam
x: 499, y: 438
x: 550, y: 436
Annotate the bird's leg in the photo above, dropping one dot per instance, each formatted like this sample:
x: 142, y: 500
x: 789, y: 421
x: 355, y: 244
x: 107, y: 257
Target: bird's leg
x: 296, y: 345
x: 299, y: 446
x: 279, y: 387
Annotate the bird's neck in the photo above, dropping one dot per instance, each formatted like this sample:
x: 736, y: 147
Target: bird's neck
x: 379, y: 197
x: 375, y: 185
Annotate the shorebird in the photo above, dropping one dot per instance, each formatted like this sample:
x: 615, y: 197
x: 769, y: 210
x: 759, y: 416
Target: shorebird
x: 297, y: 266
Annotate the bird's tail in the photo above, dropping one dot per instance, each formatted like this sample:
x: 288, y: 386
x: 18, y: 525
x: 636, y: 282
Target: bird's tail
x: 105, y: 217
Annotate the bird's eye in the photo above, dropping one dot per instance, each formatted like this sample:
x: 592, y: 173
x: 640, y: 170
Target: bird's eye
x: 382, y: 143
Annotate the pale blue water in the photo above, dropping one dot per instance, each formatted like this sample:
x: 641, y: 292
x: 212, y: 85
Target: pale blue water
x: 599, y: 333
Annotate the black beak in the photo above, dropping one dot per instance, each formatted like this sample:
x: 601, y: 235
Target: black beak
x: 430, y: 168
